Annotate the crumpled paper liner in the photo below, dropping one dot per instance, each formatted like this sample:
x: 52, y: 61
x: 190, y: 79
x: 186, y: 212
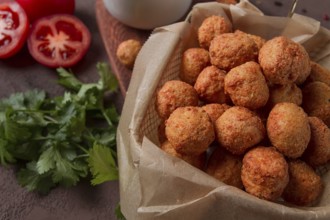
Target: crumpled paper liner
x: 155, y: 185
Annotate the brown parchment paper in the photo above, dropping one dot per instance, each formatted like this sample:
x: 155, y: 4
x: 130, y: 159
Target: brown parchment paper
x: 154, y: 185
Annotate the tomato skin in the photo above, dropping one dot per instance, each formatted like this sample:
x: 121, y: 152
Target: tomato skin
x: 59, y: 40
x: 14, y: 28
x: 36, y: 9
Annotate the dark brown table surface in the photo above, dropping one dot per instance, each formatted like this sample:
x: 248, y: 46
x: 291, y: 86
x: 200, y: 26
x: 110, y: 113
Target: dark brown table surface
x: 21, y: 73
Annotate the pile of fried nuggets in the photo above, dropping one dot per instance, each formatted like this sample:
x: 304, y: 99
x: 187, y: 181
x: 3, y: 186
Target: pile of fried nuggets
x: 262, y: 108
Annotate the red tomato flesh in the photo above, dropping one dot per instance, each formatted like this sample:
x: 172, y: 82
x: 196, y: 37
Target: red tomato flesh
x: 36, y: 9
x: 59, y: 40
x: 14, y: 27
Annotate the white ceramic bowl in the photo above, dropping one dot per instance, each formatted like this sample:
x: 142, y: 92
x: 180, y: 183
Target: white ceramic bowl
x: 147, y: 14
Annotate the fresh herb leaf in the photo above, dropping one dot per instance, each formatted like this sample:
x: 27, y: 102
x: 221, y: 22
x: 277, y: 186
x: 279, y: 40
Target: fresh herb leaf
x: 34, y: 181
x: 5, y: 156
x: 107, y: 81
x: 68, y: 80
x: 102, y: 164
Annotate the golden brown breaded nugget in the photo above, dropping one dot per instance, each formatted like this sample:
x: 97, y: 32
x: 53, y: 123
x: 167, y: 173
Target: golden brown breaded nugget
x: 285, y: 93
x: 265, y: 173
x: 210, y: 85
x: 316, y: 101
x: 215, y: 110
x: 174, y: 94
x: 288, y: 129
x: 127, y: 52
x: 257, y: 39
x: 246, y: 86
x: 230, y: 50
x: 305, y: 185
x: 194, y: 60
x: 283, y: 61
x: 190, y: 130
x: 195, y: 160
x: 319, y: 73
x: 318, y: 149
x: 225, y: 167
x: 212, y: 26
x: 239, y: 129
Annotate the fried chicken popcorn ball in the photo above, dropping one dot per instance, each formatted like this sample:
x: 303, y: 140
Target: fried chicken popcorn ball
x: 190, y: 130
x: 246, y: 86
x: 239, y: 129
x: 195, y: 160
x: 305, y: 185
x: 319, y: 73
x: 174, y: 94
x: 288, y: 129
x: 210, y: 85
x: 212, y: 26
x: 194, y: 60
x: 265, y: 173
x: 215, y: 110
x: 225, y: 167
x: 283, y: 61
x: 127, y: 52
x: 316, y: 101
x: 285, y: 93
x: 230, y: 50
x: 318, y: 149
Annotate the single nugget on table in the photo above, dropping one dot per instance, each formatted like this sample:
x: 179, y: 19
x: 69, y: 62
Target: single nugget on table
x: 127, y: 52
x: 239, y: 129
x: 246, y: 86
x: 225, y: 167
x: 259, y: 41
x: 174, y: 94
x: 318, y: 149
x: 316, y: 100
x: 210, y: 85
x: 190, y: 130
x: 230, y: 50
x: 285, y: 93
x: 319, y: 73
x: 288, y: 129
x: 194, y: 60
x: 195, y: 160
x: 265, y: 173
x: 212, y: 26
x: 305, y: 185
x: 215, y: 110
x: 283, y: 61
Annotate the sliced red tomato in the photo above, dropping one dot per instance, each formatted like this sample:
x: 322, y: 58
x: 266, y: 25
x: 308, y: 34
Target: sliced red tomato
x: 59, y: 40
x: 36, y: 9
x: 14, y: 27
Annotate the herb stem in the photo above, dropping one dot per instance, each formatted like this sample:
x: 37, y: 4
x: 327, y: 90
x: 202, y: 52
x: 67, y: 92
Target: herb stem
x: 106, y: 117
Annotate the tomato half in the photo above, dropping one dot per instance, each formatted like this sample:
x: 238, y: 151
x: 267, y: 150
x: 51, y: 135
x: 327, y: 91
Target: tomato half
x: 36, y: 9
x: 59, y: 40
x: 14, y: 27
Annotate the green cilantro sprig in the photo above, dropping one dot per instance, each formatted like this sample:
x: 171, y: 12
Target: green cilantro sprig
x: 63, y: 139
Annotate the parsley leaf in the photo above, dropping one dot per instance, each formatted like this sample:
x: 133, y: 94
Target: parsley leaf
x: 68, y: 80
x: 102, y: 164
x: 34, y: 181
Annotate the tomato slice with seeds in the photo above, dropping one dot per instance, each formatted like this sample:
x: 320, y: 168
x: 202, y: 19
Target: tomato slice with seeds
x: 14, y: 27
x: 59, y: 40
